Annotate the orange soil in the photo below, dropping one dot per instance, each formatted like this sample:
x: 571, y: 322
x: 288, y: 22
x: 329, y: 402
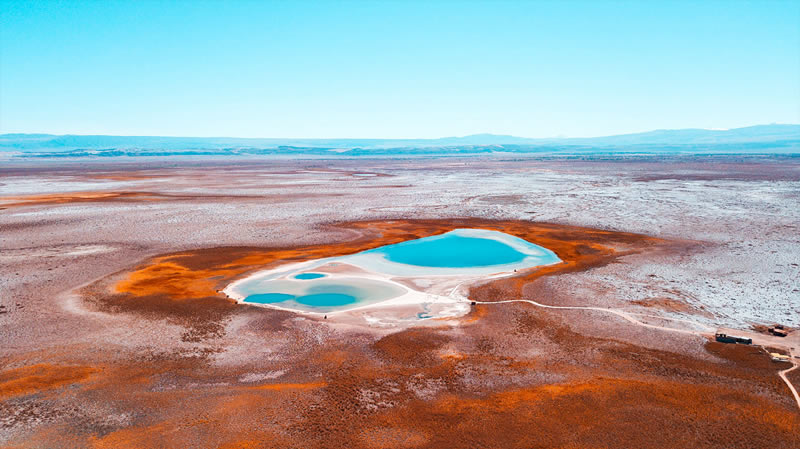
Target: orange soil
x: 173, y: 280
x: 353, y: 392
x: 40, y: 377
x: 184, y: 286
x: 79, y: 197
x: 672, y: 305
x: 105, y: 196
x: 187, y: 275
x: 602, y: 412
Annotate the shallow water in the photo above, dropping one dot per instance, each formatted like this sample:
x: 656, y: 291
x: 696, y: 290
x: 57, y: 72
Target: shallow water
x: 314, y: 300
x: 269, y: 298
x: 307, y: 276
x: 320, y: 294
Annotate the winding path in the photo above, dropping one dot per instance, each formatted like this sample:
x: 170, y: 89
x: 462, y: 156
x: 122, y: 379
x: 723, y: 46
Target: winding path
x: 786, y: 379
x: 629, y: 317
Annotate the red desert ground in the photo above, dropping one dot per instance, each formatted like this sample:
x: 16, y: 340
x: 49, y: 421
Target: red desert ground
x: 121, y: 328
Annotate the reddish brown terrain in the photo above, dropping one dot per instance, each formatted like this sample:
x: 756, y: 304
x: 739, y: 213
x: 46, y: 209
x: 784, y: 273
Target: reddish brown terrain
x: 114, y: 333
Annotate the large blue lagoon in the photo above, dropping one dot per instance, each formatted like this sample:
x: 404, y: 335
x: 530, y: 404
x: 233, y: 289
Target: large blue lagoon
x: 458, y: 252
x: 385, y: 273
x: 457, y: 249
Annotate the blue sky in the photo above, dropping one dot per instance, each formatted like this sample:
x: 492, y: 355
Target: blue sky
x: 396, y: 69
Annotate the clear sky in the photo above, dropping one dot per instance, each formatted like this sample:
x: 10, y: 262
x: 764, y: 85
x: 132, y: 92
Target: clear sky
x: 395, y: 69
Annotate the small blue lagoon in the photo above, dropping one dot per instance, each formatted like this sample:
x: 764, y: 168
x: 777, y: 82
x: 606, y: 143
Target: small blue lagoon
x: 268, y: 298
x: 314, y: 299
x: 307, y: 276
x: 320, y: 294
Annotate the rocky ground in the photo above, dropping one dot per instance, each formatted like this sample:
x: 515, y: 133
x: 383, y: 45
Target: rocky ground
x: 113, y: 334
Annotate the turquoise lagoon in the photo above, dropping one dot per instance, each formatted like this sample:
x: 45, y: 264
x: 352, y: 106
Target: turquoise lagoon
x: 307, y: 276
x: 451, y: 250
x: 319, y: 294
x: 456, y: 253
x: 462, y: 252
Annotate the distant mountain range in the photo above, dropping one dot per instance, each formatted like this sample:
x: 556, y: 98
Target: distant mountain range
x: 754, y: 139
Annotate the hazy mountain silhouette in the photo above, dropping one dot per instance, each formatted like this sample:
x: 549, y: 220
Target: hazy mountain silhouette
x: 756, y: 138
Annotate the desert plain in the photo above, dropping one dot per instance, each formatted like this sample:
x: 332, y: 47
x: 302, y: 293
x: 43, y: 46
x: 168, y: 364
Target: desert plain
x: 115, y: 332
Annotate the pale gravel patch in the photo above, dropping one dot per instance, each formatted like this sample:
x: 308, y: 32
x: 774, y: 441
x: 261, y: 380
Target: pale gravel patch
x: 260, y: 377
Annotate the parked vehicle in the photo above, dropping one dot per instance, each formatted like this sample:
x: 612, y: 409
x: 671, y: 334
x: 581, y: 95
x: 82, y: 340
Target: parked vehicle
x: 722, y: 338
x: 778, y: 331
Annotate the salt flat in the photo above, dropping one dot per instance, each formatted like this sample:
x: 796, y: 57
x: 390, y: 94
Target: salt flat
x: 112, y: 271
x: 746, y: 219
